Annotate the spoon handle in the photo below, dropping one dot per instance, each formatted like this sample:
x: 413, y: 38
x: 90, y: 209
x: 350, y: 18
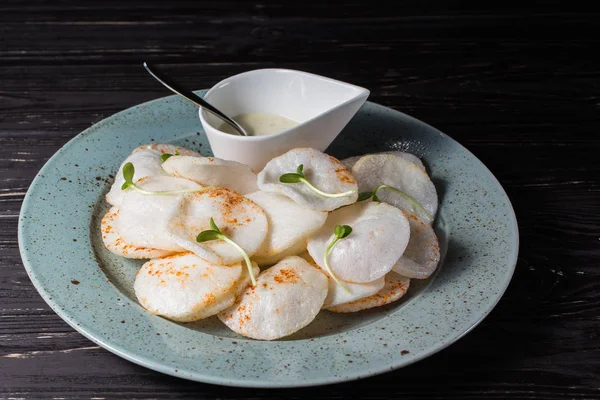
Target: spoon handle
x: 192, y: 97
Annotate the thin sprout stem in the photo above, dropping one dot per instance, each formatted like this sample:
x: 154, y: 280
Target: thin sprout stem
x: 245, y: 255
x: 329, y: 271
x: 137, y: 189
x: 325, y: 194
x: 407, y: 197
x: 167, y: 192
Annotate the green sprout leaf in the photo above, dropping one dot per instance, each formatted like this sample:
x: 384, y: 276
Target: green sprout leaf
x: 290, y: 178
x: 298, y: 177
x: 214, y: 226
x: 205, y: 236
x: 129, y: 171
x: 365, y: 196
x: 214, y: 233
x: 340, y: 232
x: 166, y: 156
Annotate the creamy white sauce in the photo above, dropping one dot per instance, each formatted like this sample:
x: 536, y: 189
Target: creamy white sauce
x: 260, y: 124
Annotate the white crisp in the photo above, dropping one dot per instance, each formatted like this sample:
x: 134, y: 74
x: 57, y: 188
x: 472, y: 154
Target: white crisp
x: 237, y: 216
x: 147, y: 163
x: 356, y: 291
x: 395, y: 287
x: 374, y: 170
x: 286, y: 298
x: 380, y: 233
x: 186, y: 288
x: 326, y: 173
x: 115, y: 243
x: 211, y: 171
x: 164, y: 148
x: 144, y: 218
x: 338, y: 295
x: 350, y: 161
x: 295, y: 250
x: 422, y: 254
x: 289, y: 225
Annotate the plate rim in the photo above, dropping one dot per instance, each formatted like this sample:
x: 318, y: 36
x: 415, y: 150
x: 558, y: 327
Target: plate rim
x: 242, y: 382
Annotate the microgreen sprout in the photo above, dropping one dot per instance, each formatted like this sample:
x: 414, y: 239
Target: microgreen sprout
x: 166, y: 156
x: 214, y: 233
x: 340, y: 232
x: 373, y: 193
x: 129, y: 171
x: 298, y: 177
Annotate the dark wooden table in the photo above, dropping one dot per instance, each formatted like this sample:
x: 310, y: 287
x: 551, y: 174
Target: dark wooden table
x: 518, y: 87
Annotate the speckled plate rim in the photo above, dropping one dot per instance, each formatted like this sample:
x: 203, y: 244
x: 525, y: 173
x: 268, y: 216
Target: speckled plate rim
x: 315, y: 366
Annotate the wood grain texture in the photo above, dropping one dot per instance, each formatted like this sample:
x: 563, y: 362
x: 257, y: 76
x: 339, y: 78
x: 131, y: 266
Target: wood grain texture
x: 517, y: 86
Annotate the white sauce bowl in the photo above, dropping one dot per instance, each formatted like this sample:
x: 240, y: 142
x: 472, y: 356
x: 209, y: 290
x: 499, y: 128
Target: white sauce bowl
x: 322, y: 107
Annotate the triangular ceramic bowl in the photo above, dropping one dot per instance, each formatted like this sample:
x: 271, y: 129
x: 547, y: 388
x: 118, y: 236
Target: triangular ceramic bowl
x: 321, y: 105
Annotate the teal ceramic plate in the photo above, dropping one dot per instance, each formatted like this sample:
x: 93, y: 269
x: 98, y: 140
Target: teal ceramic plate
x: 92, y: 290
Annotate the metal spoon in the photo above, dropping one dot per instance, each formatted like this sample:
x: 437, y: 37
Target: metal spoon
x: 191, y: 97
